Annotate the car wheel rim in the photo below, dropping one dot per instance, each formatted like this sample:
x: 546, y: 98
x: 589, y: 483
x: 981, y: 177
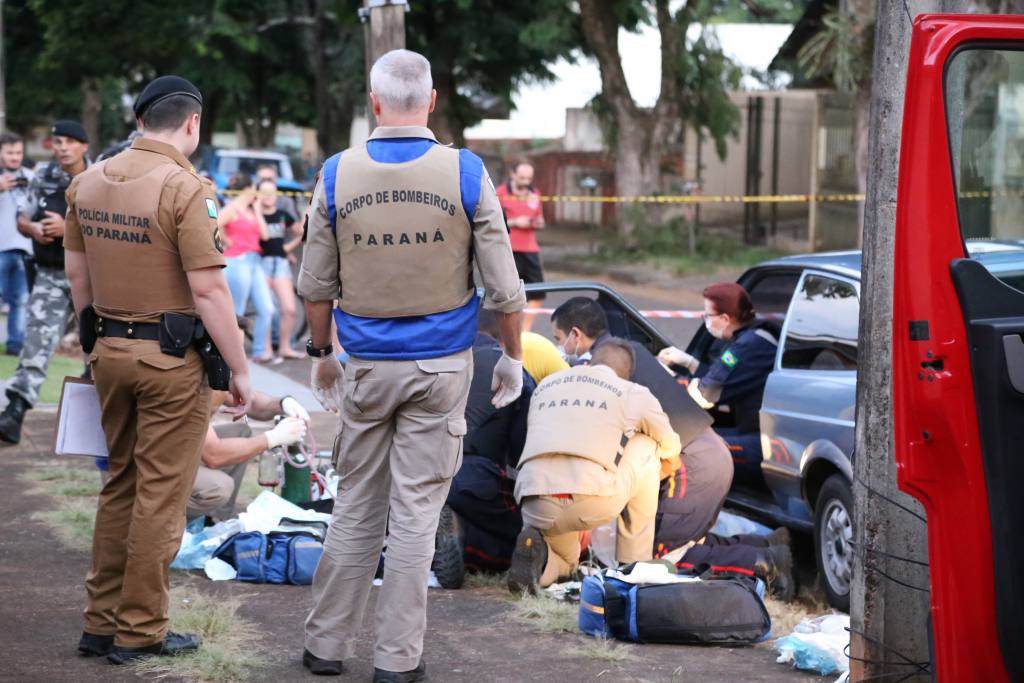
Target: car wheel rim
x: 836, y: 546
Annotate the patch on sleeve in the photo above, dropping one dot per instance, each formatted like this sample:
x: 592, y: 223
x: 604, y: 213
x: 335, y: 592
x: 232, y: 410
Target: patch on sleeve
x: 218, y: 243
x: 729, y: 359
x: 211, y: 208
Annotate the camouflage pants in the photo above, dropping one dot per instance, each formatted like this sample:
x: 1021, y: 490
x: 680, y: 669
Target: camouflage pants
x: 48, y: 309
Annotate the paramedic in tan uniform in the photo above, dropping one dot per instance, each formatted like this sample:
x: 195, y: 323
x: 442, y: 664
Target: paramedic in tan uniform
x: 141, y: 242
x: 596, y: 447
x: 394, y: 230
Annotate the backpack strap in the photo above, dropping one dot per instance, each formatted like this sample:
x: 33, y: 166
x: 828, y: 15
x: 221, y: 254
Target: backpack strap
x: 330, y: 180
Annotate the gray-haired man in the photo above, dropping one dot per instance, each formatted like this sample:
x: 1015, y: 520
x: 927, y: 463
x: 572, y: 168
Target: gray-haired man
x: 394, y: 229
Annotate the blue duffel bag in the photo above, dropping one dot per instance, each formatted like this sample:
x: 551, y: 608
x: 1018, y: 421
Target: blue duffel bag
x: 726, y: 610
x: 277, y: 557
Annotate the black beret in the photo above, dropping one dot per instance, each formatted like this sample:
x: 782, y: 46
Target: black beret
x: 69, y: 129
x: 163, y: 87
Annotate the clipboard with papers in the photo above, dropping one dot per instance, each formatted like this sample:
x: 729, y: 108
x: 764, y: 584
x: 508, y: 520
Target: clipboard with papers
x: 79, y: 427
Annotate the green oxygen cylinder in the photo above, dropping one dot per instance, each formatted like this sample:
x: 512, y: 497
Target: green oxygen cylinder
x: 297, y: 476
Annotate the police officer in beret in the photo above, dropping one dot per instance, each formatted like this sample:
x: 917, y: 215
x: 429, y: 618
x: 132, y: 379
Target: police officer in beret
x: 41, y: 217
x: 144, y: 258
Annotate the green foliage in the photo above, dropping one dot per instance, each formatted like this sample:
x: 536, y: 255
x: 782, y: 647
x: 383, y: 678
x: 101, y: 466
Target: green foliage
x: 757, y: 11
x: 842, y: 51
x: 664, y: 246
x: 706, y: 76
x: 481, y: 50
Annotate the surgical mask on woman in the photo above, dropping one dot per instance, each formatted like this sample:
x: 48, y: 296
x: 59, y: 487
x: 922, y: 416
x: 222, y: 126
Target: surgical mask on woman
x: 717, y: 334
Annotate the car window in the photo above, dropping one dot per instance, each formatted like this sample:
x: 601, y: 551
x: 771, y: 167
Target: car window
x: 772, y: 293
x: 985, y: 115
x: 821, y: 331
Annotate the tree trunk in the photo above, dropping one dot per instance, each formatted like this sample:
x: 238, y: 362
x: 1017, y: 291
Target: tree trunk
x: 442, y: 121
x: 92, y: 105
x: 637, y: 171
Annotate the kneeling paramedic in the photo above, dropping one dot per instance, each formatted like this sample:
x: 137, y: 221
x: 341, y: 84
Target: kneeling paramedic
x: 596, y: 447
x: 393, y: 232
x: 143, y: 260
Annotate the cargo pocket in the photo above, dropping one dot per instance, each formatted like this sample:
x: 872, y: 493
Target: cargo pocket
x: 161, y: 361
x: 451, y: 453
x: 360, y: 395
x: 449, y: 384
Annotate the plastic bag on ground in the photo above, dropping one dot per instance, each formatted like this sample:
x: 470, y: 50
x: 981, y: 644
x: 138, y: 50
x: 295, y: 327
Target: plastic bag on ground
x: 199, y: 544
x: 265, y: 512
x: 817, y: 645
x: 731, y: 524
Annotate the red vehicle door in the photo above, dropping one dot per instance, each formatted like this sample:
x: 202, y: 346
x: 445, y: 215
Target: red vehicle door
x: 958, y: 327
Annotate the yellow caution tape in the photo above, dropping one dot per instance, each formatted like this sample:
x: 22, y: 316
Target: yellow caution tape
x: 696, y: 199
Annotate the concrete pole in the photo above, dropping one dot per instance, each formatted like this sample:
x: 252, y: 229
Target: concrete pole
x: 384, y: 29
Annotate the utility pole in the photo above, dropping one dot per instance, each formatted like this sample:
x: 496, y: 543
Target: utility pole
x: 384, y: 29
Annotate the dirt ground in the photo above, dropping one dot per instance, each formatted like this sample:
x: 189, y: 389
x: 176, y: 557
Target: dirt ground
x: 472, y: 633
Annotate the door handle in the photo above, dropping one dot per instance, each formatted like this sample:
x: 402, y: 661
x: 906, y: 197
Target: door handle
x: 1013, y: 347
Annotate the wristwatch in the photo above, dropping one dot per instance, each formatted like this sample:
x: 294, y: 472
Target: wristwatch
x: 322, y: 352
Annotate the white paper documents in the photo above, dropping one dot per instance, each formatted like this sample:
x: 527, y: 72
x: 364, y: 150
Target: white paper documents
x: 79, y: 430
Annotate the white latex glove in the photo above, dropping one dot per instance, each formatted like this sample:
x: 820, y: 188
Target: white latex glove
x: 670, y: 355
x: 292, y: 408
x: 326, y: 379
x: 286, y: 432
x: 507, y: 381
x: 693, y: 389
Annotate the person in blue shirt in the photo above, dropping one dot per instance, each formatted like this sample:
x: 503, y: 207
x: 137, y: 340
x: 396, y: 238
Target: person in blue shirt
x: 395, y: 229
x: 731, y: 385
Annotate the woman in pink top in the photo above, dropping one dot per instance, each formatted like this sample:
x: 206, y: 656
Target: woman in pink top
x: 243, y: 226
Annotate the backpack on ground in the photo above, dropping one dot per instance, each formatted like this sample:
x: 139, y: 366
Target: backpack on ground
x: 680, y: 609
x: 278, y: 557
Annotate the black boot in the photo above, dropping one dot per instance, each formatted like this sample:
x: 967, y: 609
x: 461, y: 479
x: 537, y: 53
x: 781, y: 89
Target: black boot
x: 448, y: 565
x: 528, y: 561
x: 417, y: 674
x: 12, y: 417
x: 775, y: 566
x: 172, y: 644
x: 321, y: 667
x: 92, y: 645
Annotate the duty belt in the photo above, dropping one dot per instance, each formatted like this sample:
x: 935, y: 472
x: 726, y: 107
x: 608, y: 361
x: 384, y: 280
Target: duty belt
x: 127, y: 330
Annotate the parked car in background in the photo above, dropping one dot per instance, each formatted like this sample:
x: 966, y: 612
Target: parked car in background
x: 221, y: 164
x: 807, y: 416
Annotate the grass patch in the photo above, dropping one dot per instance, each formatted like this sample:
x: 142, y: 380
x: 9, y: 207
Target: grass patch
x: 547, y: 614
x: 487, y: 580
x: 226, y: 654
x: 786, y: 615
x: 603, y: 649
x: 664, y: 247
x: 72, y: 491
x: 59, y: 368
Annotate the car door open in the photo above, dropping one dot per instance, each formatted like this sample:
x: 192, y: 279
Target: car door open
x: 958, y: 335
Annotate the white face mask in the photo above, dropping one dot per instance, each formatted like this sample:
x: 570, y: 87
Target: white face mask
x: 717, y: 334
x: 569, y: 358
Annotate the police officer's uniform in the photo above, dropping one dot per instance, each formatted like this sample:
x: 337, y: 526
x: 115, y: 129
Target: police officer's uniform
x: 143, y: 219
x: 394, y: 229
x: 593, y: 453
x: 734, y: 382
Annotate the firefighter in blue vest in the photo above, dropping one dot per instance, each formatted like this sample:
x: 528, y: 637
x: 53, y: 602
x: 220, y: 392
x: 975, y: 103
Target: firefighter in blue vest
x: 394, y: 230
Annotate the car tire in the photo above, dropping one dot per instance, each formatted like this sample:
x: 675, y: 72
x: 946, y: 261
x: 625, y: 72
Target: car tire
x: 833, y: 540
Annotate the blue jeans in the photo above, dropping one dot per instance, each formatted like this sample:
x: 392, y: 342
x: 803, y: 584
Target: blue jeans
x: 246, y: 279
x: 14, y: 290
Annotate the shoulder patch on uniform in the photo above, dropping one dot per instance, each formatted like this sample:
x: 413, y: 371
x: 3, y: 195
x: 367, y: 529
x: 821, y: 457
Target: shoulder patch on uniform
x: 211, y: 208
x: 729, y: 359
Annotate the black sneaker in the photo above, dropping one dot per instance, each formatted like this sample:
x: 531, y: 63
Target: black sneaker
x: 92, y: 645
x: 321, y: 667
x: 12, y: 417
x: 448, y: 564
x: 417, y: 674
x: 528, y: 561
x: 172, y: 644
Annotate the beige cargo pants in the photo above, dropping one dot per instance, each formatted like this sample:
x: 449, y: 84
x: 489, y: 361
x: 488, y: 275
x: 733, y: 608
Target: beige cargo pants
x: 400, y: 444
x: 635, y: 503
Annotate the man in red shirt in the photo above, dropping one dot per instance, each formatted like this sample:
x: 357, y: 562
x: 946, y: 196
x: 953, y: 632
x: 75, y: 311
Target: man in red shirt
x: 524, y: 215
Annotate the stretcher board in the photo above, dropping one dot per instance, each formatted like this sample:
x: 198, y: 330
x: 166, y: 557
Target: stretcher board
x: 79, y: 429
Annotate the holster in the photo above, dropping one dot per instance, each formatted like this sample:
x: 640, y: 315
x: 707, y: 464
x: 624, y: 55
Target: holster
x: 218, y: 374
x: 176, y: 333
x: 87, y: 328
